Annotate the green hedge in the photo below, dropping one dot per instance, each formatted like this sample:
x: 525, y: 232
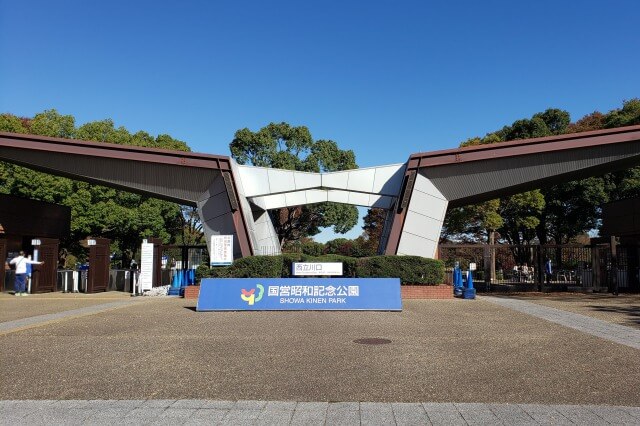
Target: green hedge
x: 410, y: 269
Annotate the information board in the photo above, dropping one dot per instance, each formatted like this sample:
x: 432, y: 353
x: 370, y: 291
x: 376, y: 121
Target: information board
x: 146, y: 267
x: 285, y: 294
x: 221, y: 250
x: 316, y: 269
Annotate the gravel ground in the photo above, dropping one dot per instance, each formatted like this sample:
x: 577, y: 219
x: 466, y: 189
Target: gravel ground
x: 440, y: 351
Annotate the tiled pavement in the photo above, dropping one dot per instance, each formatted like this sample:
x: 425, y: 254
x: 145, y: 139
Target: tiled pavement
x: 19, y: 324
x: 613, y: 332
x: 207, y: 412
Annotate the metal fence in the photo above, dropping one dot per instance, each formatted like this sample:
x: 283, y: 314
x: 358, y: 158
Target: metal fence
x: 182, y: 260
x: 119, y: 280
x: 521, y: 268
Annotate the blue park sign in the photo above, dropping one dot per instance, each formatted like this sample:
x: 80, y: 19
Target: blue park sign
x: 287, y: 294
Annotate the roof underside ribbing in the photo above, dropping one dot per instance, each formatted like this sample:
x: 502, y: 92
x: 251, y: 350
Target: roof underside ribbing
x: 475, y: 174
x: 173, y: 175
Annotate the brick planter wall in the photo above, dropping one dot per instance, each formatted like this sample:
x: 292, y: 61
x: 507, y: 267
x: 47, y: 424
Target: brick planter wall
x: 191, y: 291
x: 426, y: 291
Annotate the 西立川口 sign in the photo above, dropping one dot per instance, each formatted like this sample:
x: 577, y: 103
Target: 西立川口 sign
x: 316, y: 269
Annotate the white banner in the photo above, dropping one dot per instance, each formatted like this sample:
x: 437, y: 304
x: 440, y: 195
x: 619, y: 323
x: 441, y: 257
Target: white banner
x: 316, y: 269
x: 221, y: 250
x: 146, y: 267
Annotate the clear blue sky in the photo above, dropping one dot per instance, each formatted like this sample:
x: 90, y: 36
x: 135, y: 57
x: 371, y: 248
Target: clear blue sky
x: 384, y: 78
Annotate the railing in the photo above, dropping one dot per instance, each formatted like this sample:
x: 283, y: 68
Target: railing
x: 590, y: 268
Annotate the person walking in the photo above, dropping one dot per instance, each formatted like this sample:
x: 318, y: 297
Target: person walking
x: 548, y: 270
x: 21, y: 263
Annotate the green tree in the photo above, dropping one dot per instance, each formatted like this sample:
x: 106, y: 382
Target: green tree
x: 571, y: 209
x: 373, y: 226
x: 520, y: 216
x: 472, y: 223
x: 593, y: 121
x: 191, y: 226
x: 13, y: 124
x: 289, y: 147
x: 628, y: 115
x: 51, y: 123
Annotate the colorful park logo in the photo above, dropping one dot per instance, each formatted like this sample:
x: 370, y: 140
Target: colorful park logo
x: 250, y: 297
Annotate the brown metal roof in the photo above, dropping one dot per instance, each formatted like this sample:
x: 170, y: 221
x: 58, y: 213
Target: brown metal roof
x: 179, y: 176
x: 174, y: 175
x: 479, y: 173
x: 115, y: 151
x: 525, y: 147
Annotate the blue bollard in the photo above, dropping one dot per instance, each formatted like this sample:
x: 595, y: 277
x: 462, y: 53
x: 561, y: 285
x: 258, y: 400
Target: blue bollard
x: 457, y: 281
x: 469, y: 292
x: 175, y: 284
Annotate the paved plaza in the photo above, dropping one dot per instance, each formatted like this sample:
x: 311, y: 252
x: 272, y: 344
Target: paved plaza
x: 205, y: 412
x: 111, y: 358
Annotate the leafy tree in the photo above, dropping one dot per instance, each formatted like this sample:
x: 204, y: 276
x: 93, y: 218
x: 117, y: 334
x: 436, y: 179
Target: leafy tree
x: 571, y: 209
x: 472, y: 223
x: 11, y: 123
x: 191, y: 226
x: 288, y: 147
x: 520, y: 215
x: 593, y: 121
x: 50, y: 123
x: 312, y: 248
x: 628, y: 115
x: 555, y: 120
x: 347, y: 247
x: 373, y: 227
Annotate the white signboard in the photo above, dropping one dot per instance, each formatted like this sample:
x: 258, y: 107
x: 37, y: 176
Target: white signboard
x: 316, y: 269
x: 221, y: 250
x: 146, y: 267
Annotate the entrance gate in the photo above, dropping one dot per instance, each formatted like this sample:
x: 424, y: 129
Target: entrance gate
x: 3, y: 257
x: 602, y: 267
x: 99, y: 259
x: 44, y: 277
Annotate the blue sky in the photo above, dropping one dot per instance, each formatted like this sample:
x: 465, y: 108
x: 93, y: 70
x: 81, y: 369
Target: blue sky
x: 383, y: 78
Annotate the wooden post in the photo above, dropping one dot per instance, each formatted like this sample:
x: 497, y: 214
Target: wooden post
x: 99, y: 261
x: 540, y: 267
x: 489, y: 266
x: 3, y: 257
x: 44, y: 278
x: 614, y: 266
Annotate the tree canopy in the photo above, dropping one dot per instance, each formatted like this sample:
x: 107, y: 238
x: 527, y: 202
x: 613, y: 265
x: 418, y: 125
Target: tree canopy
x: 282, y: 146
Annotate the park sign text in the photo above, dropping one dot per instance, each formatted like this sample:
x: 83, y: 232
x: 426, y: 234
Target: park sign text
x: 286, y: 294
x: 221, y: 250
x: 316, y: 269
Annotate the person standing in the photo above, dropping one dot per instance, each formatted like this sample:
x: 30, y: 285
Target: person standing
x: 21, y: 263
